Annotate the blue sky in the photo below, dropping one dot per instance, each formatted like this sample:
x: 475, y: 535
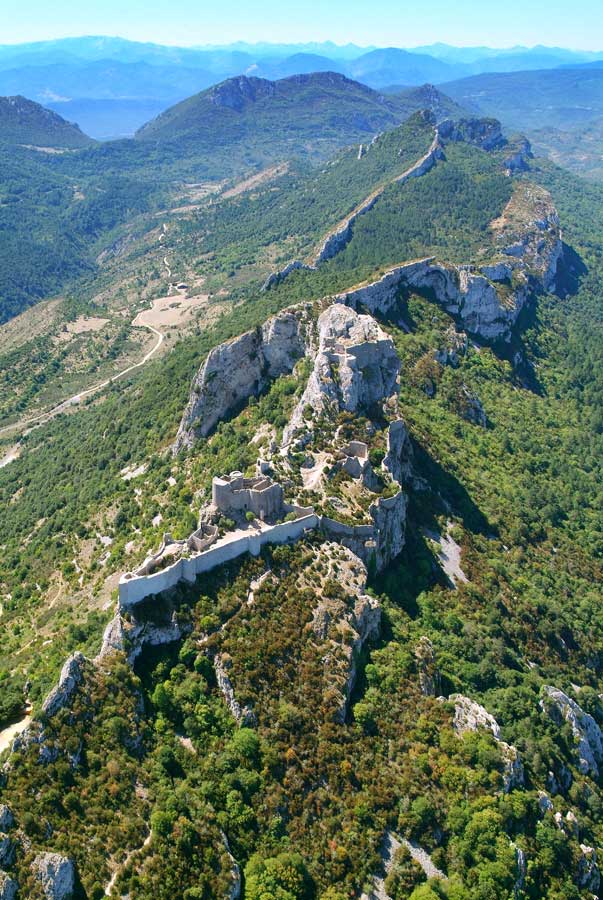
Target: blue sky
x: 496, y: 23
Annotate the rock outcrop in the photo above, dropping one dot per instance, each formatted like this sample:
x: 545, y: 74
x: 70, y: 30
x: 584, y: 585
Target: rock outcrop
x: 528, y: 233
x: 243, y: 715
x: 429, y: 675
x: 399, y: 457
x: 56, y: 874
x: 345, y: 624
x: 8, y: 851
x: 483, y: 133
x: 587, y: 734
x: 467, y: 294
x: 70, y: 679
x: 356, y: 366
x: 8, y: 887
x: 241, y: 368
x: 131, y: 637
x: 470, y: 716
x: 7, y: 820
x: 588, y: 876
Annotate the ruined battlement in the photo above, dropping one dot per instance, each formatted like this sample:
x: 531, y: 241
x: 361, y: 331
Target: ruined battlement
x: 260, y: 495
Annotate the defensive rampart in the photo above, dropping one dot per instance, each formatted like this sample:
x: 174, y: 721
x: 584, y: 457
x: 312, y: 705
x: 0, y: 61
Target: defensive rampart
x: 134, y: 589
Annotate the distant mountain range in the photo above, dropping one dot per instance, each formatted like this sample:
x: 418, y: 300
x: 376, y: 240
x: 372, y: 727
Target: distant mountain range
x: 554, y: 98
x: 112, y: 86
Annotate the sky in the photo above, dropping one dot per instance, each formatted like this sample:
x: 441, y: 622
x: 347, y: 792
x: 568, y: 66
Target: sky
x: 494, y: 23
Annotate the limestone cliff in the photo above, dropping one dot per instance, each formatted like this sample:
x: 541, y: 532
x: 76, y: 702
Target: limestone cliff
x: 237, y: 369
x: 344, y: 624
x: 356, y: 365
x: 587, y: 734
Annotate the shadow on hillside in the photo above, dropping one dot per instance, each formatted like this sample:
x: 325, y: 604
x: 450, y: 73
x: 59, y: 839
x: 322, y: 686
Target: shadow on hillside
x: 445, y: 495
x: 571, y: 272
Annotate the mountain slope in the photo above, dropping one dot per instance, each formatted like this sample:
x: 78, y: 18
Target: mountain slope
x: 25, y: 122
x: 144, y: 776
x: 323, y: 106
x: 393, y: 66
x: 557, y: 98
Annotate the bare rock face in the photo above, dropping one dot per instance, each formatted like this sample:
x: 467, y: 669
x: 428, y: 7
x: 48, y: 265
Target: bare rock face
x: 483, y: 133
x: 8, y: 887
x: 587, y: 734
x: 239, y: 369
x: 243, y: 715
x: 356, y: 365
x: 7, y: 851
x: 71, y: 677
x: 429, y: 675
x: 7, y: 820
x: 399, y: 458
x: 470, y: 716
x: 529, y: 233
x: 389, y: 517
x: 56, y: 874
x: 345, y: 625
x: 588, y: 875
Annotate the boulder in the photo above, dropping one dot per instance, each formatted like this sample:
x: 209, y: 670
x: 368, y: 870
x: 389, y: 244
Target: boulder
x: 56, y: 874
x: 7, y: 820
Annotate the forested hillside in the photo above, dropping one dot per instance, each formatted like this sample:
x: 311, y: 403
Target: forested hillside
x: 271, y: 729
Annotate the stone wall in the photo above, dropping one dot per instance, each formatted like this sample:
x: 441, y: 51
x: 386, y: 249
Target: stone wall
x: 134, y: 589
x: 261, y: 496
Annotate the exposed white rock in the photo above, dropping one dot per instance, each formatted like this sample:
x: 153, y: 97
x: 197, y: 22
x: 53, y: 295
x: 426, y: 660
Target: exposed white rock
x: 587, y: 734
x: 56, y: 874
x: 471, y: 716
x: 588, y: 875
x: 356, y: 365
x: 390, y: 845
x: 513, y: 771
x: 8, y: 887
x: 71, y: 677
x: 243, y: 715
x: 234, y: 892
x: 240, y: 368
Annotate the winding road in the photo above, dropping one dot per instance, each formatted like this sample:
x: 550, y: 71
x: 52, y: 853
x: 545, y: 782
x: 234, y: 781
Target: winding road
x: 76, y: 399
